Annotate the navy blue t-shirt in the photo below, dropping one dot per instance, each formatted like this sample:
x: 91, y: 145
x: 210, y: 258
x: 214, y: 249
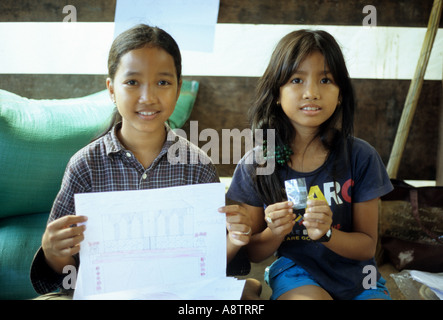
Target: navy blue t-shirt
x: 359, y: 179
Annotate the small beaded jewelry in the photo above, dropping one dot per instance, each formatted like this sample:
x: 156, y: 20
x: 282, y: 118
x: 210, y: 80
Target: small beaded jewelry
x: 282, y: 154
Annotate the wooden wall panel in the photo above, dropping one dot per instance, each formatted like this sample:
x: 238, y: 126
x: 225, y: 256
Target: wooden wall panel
x: 223, y: 102
x: 411, y: 13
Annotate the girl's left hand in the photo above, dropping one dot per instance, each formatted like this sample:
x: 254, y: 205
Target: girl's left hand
x: 238, y: 224
x: 317, y: 218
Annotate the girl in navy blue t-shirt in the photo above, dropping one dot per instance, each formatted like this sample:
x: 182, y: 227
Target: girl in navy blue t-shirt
x: 325, y: 251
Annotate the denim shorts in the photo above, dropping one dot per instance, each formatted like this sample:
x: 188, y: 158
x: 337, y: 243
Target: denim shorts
x: 286, y: 275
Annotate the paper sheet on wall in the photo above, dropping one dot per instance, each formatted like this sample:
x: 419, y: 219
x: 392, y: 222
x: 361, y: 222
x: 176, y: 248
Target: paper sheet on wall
x: 154, y: 244
x: 190, y: 22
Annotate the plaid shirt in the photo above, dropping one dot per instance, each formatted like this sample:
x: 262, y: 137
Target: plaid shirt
x: 105, y: 165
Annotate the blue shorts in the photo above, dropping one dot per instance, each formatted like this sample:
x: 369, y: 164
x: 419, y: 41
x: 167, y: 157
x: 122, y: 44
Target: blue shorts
x: 289, y: 276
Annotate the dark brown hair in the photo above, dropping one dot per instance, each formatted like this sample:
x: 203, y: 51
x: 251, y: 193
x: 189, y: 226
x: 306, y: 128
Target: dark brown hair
x: 141, y: 36
x: 265, y: 113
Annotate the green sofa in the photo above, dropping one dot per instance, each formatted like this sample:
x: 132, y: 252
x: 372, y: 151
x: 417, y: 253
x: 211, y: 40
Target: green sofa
x: 37, y: 138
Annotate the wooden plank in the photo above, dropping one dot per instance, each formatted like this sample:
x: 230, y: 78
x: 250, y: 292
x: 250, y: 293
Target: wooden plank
x: 414, y: 91
x: 411, y: 13
x: 439, y: 164
x: 223, y: 103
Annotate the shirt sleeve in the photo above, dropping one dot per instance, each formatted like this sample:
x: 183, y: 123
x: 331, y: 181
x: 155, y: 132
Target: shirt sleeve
x: 242, y: 188
x: 207, y: 174
x: 371, y: 179
x: 43, y: 278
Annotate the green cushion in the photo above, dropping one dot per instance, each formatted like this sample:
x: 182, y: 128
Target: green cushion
x: 184, y: 105
x: 20, y: 237
x: 38, y: 137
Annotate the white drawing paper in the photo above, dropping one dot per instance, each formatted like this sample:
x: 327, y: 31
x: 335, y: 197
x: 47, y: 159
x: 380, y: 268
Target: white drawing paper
x: 152, y: 243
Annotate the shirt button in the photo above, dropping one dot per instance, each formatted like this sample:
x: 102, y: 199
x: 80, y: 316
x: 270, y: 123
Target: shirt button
x: 144, y: 176
x: 128, y: 154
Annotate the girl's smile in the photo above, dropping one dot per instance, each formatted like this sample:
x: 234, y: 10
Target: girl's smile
x: 148, y: 115
x: 310, y: 109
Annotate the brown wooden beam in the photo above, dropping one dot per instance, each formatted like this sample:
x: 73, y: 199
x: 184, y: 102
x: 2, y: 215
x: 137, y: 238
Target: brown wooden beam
x: 439, y: 165
x: 414, y: 91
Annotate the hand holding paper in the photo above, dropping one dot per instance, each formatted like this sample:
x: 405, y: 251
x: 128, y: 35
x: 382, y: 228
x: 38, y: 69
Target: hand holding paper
x: 61, y: 241
x: 152, y: 241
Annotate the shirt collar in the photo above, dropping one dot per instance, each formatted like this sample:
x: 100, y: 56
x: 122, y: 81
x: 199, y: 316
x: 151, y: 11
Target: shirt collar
x: 113, y: 144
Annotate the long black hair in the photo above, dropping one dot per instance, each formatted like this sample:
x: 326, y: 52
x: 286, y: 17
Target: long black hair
x: 266, y: 113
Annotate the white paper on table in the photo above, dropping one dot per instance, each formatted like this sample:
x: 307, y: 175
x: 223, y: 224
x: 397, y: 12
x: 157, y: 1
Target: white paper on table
x: 433, y: 280
x: 152, y: 240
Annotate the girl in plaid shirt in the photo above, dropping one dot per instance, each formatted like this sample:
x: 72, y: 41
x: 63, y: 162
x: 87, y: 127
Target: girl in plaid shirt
x: 144, y: 83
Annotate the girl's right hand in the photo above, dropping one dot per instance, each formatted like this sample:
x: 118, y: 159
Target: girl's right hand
x: 280, y: 218
x: 61, y: 240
